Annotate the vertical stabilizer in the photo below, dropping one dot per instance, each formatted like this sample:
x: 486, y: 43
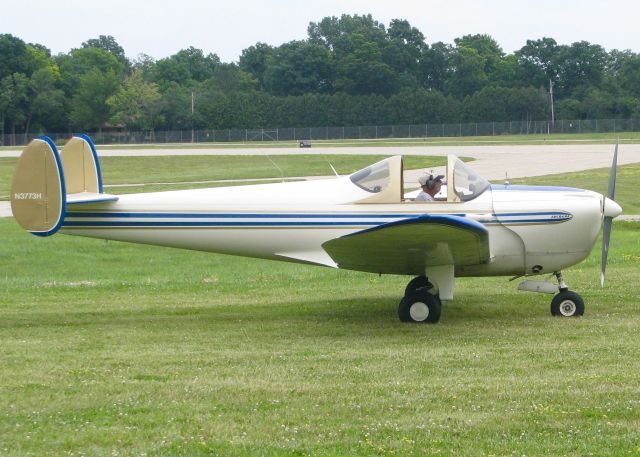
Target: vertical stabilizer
x: 81, y: 166
x: 38, y: 196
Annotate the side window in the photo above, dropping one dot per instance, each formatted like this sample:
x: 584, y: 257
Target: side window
x: 374, y: 178
x: 467, y: 184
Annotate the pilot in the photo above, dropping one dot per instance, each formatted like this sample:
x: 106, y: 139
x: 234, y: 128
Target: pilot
x: 430, y: 184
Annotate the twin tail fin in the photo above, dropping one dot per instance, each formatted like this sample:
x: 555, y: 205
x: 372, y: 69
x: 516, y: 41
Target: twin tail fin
x: 46, y: 181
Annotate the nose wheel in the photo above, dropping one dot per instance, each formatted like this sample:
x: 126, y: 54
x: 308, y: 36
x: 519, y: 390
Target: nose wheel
x: 418, y: 304
x: 567, y: 304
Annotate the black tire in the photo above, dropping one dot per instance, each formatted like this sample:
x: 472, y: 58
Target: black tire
x: 420, y: 307
x: 417, y: 283
x: 567, y: 304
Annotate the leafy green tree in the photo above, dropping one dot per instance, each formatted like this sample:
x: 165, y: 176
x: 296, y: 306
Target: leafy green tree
x: 176, y: 106
x: 137, y: 104
x: 229, y: 77
x: 404, y: 48
x: 49, y: 108
x: 507, y: 73
x: 109, y: 44
x: 298, y: 67
x: 436, y: 66
x: 15, y: 57
x: 186, y: 67
x: 580, y: 65
x: 539, y: 60
x: 468, y: 75
x: 361, y: 70
x: 506, y: 104
x: 14, y: 102
x: 77, y: 63
x: 144, y: 63
x: 254, y: 61
x: 89, y: 108
x: 330, y: 30
x: 629, y: 75
x: 488, y: 49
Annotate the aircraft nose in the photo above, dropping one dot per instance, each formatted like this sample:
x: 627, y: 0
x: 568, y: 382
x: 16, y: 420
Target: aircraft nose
x: 611, y: 208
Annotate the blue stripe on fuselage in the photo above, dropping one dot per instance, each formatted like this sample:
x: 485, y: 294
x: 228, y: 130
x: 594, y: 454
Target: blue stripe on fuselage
x: 501, y: 187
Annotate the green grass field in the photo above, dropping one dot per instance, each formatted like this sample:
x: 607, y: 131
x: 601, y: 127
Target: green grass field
x: 109, y: 348
x: 119, y: 349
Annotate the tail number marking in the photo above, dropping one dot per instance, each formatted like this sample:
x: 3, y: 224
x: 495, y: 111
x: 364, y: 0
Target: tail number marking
x: 27, y: 196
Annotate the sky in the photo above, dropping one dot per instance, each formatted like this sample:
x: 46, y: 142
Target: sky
x: 161, y: 28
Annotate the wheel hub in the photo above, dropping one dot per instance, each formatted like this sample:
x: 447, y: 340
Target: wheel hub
x: 567, y: 308
x: 419, y: 311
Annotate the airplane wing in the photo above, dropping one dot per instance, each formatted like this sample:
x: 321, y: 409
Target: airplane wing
x: 411, y: 245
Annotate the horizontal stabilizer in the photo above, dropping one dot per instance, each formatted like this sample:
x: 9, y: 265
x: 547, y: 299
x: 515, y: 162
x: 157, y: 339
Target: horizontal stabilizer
x: 410, y: 245
x: 90, y: 197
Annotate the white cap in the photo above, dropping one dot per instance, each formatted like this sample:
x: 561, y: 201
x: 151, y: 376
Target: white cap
x: 428, y: 176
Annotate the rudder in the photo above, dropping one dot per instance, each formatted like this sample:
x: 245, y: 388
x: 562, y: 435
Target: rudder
x: 38, y: 194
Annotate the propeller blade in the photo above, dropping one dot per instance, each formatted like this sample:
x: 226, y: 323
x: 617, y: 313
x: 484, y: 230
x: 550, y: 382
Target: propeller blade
x: 606, y: 236
x: 608, y: 220
x: 612, y: 177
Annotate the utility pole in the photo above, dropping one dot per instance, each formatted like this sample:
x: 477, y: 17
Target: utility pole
x: 553, y: 115
x: 192, y: 120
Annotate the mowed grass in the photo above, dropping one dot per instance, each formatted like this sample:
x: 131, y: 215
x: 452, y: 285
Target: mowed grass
x: 110, y: 348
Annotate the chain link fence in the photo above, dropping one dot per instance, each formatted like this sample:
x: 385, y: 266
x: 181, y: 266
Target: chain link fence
x: 344, y: 133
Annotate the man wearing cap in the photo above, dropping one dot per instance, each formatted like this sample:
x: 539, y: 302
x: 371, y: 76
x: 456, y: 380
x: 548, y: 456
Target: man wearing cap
x: 430, y: 184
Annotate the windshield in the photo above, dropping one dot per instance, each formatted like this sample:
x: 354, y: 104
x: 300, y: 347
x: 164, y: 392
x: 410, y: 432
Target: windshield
x: 374, y: 178
x: 467, y: 183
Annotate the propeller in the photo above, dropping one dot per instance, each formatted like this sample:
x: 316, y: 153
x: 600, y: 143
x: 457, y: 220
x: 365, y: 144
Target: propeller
x: 610, y: 209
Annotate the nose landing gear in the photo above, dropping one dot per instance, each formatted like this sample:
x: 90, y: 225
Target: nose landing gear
x: 566, y: 303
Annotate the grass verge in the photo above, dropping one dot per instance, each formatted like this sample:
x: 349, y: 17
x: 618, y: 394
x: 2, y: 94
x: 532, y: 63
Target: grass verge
x: 119, y: 349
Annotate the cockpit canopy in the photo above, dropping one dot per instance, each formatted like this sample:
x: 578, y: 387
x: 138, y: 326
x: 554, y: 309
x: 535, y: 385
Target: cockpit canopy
x: 384, y: 180
x: 467, y: 184
x: 373, y: 178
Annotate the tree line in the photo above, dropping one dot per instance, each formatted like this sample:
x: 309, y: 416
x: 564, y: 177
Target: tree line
x: 351, y: 70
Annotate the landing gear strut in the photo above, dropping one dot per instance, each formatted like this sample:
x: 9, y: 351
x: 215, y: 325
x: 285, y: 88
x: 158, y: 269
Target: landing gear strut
x: 419, y: 304
x: 566, y: 303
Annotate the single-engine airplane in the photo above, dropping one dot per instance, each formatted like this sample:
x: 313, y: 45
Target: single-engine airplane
x: 360, y: 222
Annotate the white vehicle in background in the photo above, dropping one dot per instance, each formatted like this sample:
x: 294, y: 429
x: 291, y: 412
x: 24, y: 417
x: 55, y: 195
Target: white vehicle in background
x: 362, y: 222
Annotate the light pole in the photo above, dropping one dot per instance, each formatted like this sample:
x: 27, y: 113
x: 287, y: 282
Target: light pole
x: 192, y: 116
x: 553, y: 115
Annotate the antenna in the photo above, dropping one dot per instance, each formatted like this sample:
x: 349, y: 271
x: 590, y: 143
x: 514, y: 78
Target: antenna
x: 277, y: 167
x: 506, y: 178
x: 334, y: 170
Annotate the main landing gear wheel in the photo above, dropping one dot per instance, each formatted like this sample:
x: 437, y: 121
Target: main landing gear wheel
x: 421, y: 307
x: 417, y: 283
x: 567, y: 304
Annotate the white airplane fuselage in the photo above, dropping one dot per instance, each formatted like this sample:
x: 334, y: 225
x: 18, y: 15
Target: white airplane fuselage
x: 531, y: 229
